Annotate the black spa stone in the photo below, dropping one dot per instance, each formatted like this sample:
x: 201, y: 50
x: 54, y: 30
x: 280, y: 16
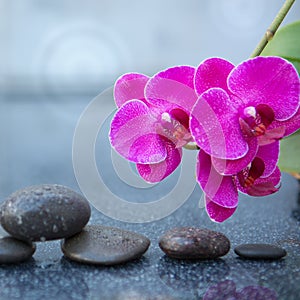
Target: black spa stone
x: 103, y: 245
x: 194, y: 243
x: 44, y: 212
x: 15, y: 251
x: 260, y: 251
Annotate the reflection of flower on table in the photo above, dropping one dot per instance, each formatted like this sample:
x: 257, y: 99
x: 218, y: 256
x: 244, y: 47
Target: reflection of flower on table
x: 227, y: 290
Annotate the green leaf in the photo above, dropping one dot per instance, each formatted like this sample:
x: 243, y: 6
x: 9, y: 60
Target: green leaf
x: 289, y: 160
x: 286, y: 44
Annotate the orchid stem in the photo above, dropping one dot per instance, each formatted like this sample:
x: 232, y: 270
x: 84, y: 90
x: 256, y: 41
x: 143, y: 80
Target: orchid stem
x: 191, y: 146
x: 273, y: 28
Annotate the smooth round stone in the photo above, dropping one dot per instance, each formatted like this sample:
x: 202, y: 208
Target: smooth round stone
x: 194, y: 243
x: 15, y: 251
x: 260, y: 251
x: 103, y: 245
x: 44, y: 212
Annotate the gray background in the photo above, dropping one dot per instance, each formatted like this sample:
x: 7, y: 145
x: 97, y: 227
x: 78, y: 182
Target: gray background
x: 57, y: 55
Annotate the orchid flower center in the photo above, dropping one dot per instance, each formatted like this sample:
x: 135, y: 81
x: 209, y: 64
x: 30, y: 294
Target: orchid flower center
x: 173, y: 130
x: 248, y: 176
x: 255, y: 120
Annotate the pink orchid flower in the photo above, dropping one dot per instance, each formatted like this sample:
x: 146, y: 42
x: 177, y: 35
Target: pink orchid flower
x: 152, y: 121
x: 260, y: 178
x: 241, y: 108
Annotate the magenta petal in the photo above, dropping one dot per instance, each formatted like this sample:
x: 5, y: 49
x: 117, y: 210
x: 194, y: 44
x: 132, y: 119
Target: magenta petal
x: 269, y: 154
x: 268, y: 80
x: 212, y: 72
x: 130, y: 86
x: 274, y: 178
x: 172, y: 86
x: 157, y: 172
x: 271, y: 136
x: 133, y: 134
x: 215, y: 126
x: 216, y: 212
x: 291, y: 125
x: 220, y: 189
x: 232, y: 167
x: 263, y: 186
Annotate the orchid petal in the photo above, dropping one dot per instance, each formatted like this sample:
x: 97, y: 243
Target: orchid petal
x: 270, y: 155
x: 172, y: 86
x: 130, y: 86
x: 269, y: 80
x: 133, y: 134
x: 232, y: 167
x: 157, y: 172
x: 216, y: 212
x: 211, y: 73
x: 263, y: 186
x: 220, y: 189
x: 215, y: 126
x: 271, y: 136
x: 291, y: 125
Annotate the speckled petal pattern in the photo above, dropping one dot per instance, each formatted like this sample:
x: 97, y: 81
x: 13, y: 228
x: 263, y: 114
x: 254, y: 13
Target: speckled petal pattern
x: 174, y: 85
x: 212, y: 73
x: 157, y: 172
x: 130, y: 86
x: 269, y: 80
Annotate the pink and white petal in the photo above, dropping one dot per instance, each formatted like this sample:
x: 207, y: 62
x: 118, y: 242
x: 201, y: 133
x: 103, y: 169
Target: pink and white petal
x: 212, y: 72
x: 216, y: 212
x: 172, y: 86
x: 270, y: 155
x: 157, y: 172
x: 214, y: 125
x: 129, y: 111
x: 130, y: 86
x: 147, y: 148
x: 267, y: 80
x: 133, y: 134
x: 232, y: 167
x: 220, y: 189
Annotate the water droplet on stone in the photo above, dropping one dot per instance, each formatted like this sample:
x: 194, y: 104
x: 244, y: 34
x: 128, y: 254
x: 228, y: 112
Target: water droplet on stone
x: 54, y: 228
x: 38, y: 192
x: 19, y: 220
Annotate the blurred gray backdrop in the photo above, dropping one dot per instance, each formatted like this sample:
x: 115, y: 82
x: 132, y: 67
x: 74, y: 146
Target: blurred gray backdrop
x: 57, y: 55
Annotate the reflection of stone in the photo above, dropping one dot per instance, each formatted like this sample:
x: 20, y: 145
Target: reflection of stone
x: 296, y: 214
x: 189, y: 275
x: 227, y: 290
x: 131, y: 269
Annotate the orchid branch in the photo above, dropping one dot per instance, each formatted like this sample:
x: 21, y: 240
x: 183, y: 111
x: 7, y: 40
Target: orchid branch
x: 273, y: 28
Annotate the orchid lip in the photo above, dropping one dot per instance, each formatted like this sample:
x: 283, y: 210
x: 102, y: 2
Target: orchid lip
x: 256, y: 120
x: 173, y: 130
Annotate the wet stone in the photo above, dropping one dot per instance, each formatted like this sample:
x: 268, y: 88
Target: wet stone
x: 15, y: 251
x: 260, y: 251
x: 44, y: 212
x: 194, y: 243
x: 103, y: 245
